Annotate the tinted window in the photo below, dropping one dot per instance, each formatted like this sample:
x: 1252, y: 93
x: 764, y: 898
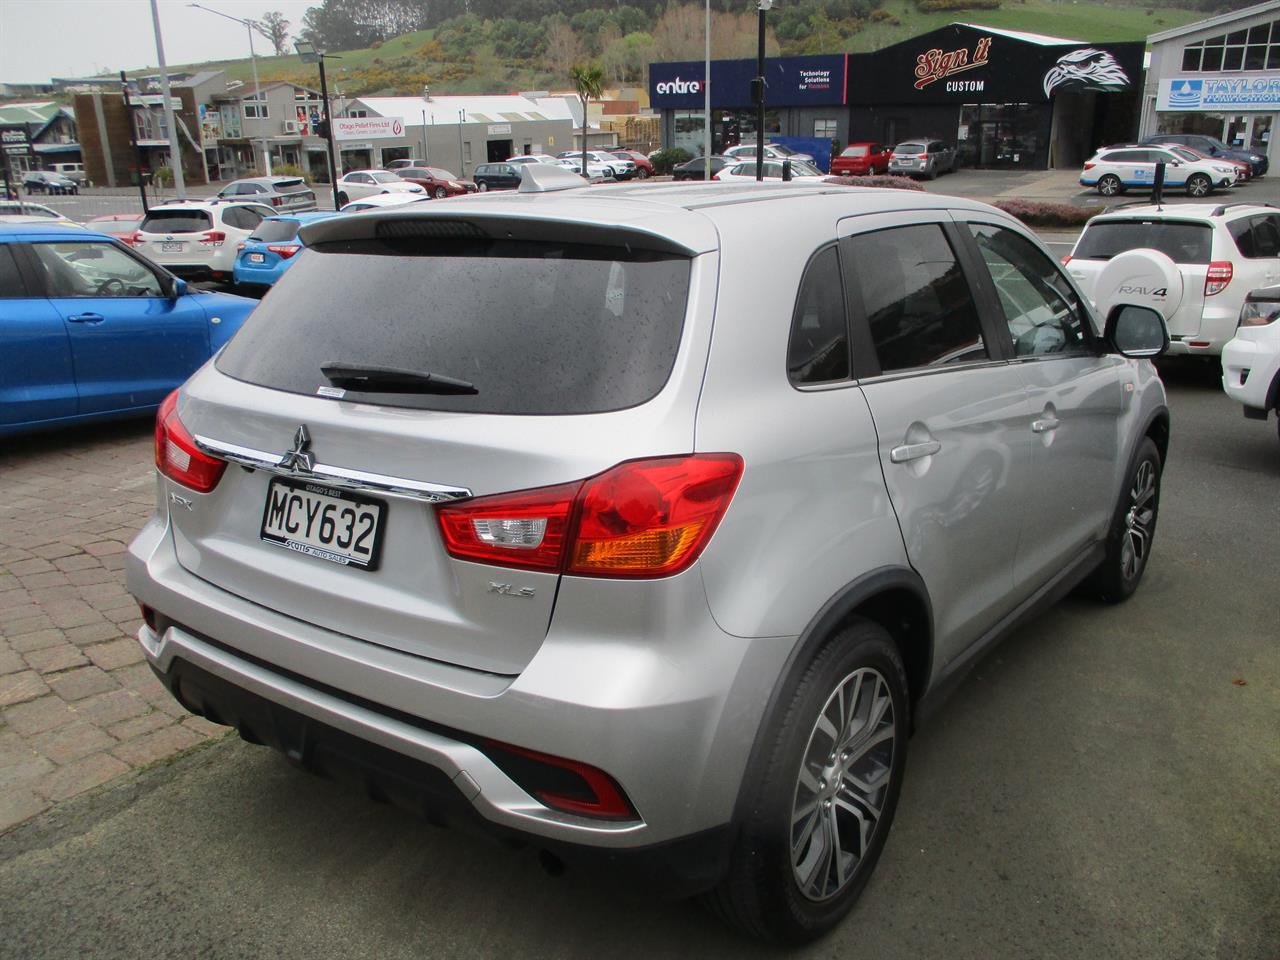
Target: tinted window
x: 916, y: 300
x: 441, y: 174
x: 242, y: 218
x: 176, y: 221
x: 1125, y: 156
x: 819, y: 347
x: 909, y: 148
x: 1257, y: 237
x: 94, y: 270
x: 539, y: 328
x: 11, y: 286
x: 1039, y: 306
x: 858, y: 151
x: 275, y: 231
x: 1181, y: 242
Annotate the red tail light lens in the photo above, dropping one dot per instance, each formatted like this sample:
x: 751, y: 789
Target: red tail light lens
x: 176, y: 454
x: 1217, y: 277
x: 213, y: 238
x: 562, y: 784
x: 1090, y: 166
x: 1066, y: 258
x: 277, y: 201
x: 284, y: 250
x: 131, y: 238
x: 642, y: 518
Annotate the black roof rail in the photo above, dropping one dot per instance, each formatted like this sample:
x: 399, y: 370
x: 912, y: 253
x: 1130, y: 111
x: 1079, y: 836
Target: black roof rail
x: 1219, y: 211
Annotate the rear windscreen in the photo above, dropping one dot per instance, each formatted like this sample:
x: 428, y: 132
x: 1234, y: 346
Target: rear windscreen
x: 1181, y: 242
x: 909, y: 148
x: 537, y: 328
x: 176, y: 221
x: 854, y: 152
x: 274, y: 231
x: 290, y: 186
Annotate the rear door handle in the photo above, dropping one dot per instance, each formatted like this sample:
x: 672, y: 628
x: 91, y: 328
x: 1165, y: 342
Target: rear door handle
x: 914, y: 451
x: 1044, y: 425
x: 86, y: 318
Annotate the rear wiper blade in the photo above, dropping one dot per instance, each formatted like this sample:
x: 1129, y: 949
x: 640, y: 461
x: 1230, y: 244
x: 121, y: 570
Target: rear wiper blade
x: 371, y: 379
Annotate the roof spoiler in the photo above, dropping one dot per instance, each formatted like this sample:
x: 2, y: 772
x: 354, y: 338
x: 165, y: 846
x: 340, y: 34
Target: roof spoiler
x: 545, y: 178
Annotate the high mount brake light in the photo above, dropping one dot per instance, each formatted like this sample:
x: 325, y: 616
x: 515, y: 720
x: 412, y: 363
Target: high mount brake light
x: 641, y: 518
x: 177, y: 456
x: 1217, y: 277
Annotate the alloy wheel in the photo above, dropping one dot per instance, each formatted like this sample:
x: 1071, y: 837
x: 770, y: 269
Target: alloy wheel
x: 1139, y: 521
x: 1198, y: 186
x: 1108, y: 186
x: 842, y: 784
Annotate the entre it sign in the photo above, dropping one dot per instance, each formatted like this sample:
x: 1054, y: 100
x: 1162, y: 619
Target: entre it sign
x: 367, y: 128
x: 789, y: 82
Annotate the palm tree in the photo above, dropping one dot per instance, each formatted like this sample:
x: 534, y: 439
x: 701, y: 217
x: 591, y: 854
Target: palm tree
x: 588, y: 80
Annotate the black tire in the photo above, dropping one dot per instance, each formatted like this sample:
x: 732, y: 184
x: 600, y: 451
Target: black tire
x: 483, y: 187
x: 1116, y: 579
x: 1109, y: 185
x: 343, y: 200
x: 642, y: 173
x: 440, y: 193
x: 932, y: 174
x: 1199, y: 185
x: 760, y: 893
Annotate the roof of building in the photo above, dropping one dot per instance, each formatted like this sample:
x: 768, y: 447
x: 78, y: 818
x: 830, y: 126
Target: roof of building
x: 1039, y: 38
x: 40, y: 112
x: 494, y: 108
x: 1209, y: 23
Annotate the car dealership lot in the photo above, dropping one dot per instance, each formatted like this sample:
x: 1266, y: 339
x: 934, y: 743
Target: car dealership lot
x: 1100, y: 786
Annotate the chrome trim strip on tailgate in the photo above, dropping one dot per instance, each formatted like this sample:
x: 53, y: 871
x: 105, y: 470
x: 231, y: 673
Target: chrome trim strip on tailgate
x: 342, y: 477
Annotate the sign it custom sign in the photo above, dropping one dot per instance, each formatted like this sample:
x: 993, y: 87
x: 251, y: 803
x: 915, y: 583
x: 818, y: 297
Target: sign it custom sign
x: 933, y: 65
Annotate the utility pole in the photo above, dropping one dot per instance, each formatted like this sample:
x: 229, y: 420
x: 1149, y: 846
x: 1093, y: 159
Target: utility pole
x: 175, y: 143
x: 706, y: 90
x: 426, y: 101
x: 133, y: 139
x: 253, y: 62
x: 758, y: 90
x: 308, y: 53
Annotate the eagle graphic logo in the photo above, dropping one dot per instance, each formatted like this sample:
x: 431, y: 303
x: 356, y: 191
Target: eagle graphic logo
x: 1083, y: 71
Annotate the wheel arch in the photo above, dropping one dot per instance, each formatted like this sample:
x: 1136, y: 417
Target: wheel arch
x: 1158, y: 430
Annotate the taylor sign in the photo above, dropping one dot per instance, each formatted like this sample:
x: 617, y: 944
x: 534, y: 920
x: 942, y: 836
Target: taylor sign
x: 367, y: 128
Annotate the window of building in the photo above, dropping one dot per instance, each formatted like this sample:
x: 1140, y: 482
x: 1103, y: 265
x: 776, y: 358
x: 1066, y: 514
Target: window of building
x: 825, y: 129
x: 1257, y: 48
x: 255, y: 106
x: 357, y: 113
x: 466, y: 152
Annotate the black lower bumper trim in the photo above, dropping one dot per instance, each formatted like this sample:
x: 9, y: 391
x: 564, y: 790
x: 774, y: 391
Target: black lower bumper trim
x: 675, y: 869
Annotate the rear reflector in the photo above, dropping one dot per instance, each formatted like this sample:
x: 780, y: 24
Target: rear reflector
x: 1217, y: 277
x: 561, y: 784
x: 176, y: 454
x: 642, y: 518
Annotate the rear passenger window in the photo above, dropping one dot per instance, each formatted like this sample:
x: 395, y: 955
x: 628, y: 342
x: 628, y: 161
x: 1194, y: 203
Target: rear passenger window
x: 11, y: 286
x: 916, y: 300
x: 819, y: 347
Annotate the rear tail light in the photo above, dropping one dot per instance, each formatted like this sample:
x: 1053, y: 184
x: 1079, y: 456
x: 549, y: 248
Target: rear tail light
x: 132, y: 238
x: 561, y: 784
x: 922, y: 156
x: 1217, y: 277
x: 213, y: 238
x: 176, y: 454
x: 1066, y: 258
x: 1090, y: 166
x: 284, y: 250
x: 239, y: 247
x: 277, y: 201
x: 642, y: 518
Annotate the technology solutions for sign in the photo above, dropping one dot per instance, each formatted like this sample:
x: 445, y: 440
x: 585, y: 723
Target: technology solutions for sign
x: 1220, y: 93
x: 367, y: 128
x: 792, y: 82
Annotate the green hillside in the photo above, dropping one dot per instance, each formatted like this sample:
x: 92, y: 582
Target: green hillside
x: 403, y: 64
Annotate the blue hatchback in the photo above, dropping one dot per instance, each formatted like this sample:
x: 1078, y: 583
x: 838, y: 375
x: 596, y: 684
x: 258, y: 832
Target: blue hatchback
x: 91, y: 329
x: 272, y: 247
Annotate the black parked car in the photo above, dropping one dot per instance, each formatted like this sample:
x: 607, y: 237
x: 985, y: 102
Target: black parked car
x: 44, y: 181
x: 696, y: 169
x: 497, y: 176
x: 1213, y: 147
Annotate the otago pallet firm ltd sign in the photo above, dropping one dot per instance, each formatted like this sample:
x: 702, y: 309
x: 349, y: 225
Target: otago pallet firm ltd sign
x: 367, y: 128
x: 1220, y: 93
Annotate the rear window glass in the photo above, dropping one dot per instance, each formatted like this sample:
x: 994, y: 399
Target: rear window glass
x: 1181, y: 242
x: 290, y: 186
x: 909, y: 148
x: 538, y: 328
x: 273, y: 231
x: 176, y: 221
x: 854, y: 152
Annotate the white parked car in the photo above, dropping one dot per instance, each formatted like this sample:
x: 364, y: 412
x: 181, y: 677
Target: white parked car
x: 359, y: 184
x: 534, y: 158
x: 772, y: 171
x: 619, y: 167
x: 197, y: 239
x: 382, y: 201
x: 1222, y: 251
x: 1251, y: 360
x: 772, y: 151
x: 594, y: 171
x: 1113, y: 170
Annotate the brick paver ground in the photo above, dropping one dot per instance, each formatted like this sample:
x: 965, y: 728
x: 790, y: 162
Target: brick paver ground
x: 78, y: 706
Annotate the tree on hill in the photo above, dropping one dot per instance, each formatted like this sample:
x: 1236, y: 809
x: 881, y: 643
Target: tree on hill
x: 275, y: 28
x: 588, y: 81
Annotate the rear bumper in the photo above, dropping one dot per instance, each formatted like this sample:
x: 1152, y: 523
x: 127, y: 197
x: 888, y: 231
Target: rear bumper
x: 1255, y: 363
x: 260, y: 276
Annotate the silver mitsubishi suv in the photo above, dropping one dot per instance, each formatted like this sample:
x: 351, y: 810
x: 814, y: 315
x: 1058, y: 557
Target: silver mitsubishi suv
x: 640, y: 523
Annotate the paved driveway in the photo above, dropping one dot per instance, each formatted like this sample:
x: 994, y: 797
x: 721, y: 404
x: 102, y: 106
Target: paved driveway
x: 1103, y: 785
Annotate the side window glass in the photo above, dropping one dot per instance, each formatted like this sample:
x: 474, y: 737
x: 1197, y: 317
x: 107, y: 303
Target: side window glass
x: 94, y: 270
x: 1242, y: 233
x: 1039, y: 306
x: 1266, y: 235
x: 11, y: 285
x: 818, y: 351
x: 231, y: 217
x: 918, y: 304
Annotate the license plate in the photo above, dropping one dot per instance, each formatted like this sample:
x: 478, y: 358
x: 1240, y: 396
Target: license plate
x: 256, y: 258
x: 173, y: 247
x: 323, y: 522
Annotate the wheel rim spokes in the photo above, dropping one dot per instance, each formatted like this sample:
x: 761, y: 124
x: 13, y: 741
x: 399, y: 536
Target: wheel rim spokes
x: 842, y: 784
x: 1139, y: 521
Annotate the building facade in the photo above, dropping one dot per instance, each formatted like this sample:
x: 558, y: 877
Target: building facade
x: 1004, y: 98
x: 1219, y: 77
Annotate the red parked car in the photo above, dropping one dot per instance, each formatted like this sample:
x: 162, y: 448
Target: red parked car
x: 435, y: 181
x: 861, y: 160
x: 644, y: 166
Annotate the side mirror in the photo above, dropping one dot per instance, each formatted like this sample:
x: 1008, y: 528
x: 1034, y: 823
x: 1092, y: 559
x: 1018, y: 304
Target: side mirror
x: 1136, y: 332
x: 179, y: 288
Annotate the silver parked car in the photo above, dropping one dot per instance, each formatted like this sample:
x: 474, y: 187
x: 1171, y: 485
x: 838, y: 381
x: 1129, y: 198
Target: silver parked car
x: 285, y: 194
x: 922, y: 158
x: 625, y: 535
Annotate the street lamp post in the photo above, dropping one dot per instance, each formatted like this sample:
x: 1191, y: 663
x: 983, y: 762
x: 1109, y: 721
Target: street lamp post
x: 758, y: 89
x: 175, y: 142
x: 253, y: 61
x: 308, y: 53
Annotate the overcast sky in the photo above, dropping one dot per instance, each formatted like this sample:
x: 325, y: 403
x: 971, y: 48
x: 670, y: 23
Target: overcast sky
x: 40, y: 39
